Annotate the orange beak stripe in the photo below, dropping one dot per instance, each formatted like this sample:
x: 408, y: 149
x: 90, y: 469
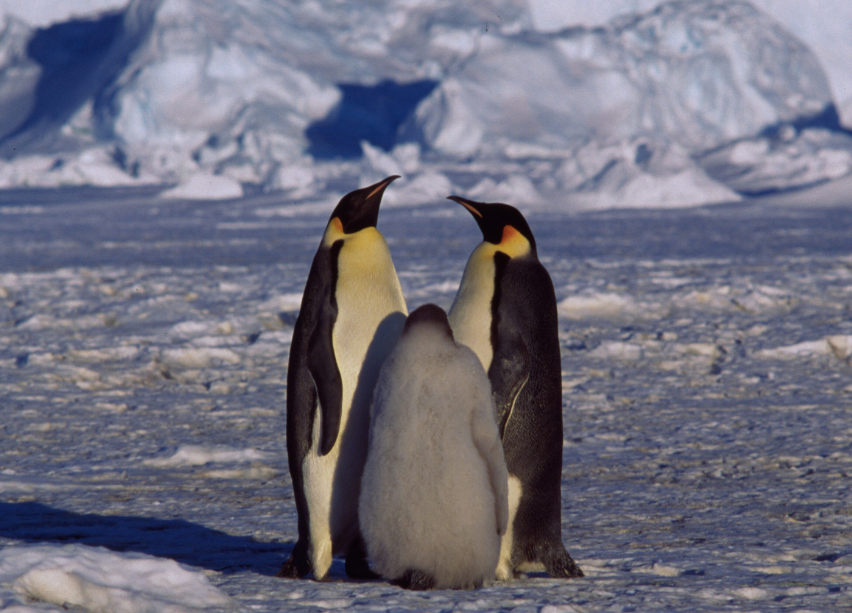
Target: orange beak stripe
x: 381, y: 186
x: 471, y: 209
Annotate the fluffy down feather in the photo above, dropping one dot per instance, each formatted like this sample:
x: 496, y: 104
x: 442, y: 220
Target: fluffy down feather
x: 434, y: 490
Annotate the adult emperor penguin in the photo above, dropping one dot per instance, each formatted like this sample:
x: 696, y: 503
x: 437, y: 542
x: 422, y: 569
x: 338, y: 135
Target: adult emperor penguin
x: 434, y: 493
x: 505, y: 310
x: 352, y: 313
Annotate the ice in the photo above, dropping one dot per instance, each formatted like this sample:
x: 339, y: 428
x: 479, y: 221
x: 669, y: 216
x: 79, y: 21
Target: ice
x: 706, y: 444
x: 599, y: 305
x: 689, y: 58
x: 203, y: 186
x: 41, y: 13
x: 198, y: 357
x: 680, y: 104
x: 825, y: 32
x: 100, y: 581
x: 617, y: 350
x: 838, y: 346
x: 196, y: 455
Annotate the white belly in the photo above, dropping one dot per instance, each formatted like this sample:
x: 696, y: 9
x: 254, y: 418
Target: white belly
x: 367, y: 294
x: 470, y: 315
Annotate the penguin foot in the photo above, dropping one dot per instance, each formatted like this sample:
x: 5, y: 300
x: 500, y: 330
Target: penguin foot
x: 416, y: 580
x: 356, y: 564
x: 504, y: 571
x: 562, y: 565
x: 297, y: 565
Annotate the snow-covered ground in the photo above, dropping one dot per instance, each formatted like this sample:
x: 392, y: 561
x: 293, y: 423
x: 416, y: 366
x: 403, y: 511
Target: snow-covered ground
x: 143, y: 351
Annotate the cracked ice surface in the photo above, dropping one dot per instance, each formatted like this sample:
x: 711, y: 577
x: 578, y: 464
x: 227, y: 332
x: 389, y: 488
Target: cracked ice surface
x: 707, y: 391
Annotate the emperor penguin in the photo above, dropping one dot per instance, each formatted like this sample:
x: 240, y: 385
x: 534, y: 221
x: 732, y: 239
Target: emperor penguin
x: 351, y: 315
x: 505, y: 311
x: 433, y: 501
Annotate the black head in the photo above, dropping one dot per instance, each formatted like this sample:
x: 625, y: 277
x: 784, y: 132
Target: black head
x: 494, y: 217
x: 429, y: 314
x: 360, y: 209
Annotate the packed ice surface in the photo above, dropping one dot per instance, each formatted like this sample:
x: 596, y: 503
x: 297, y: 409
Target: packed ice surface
x: 682, y: 103
x: 706, y: 388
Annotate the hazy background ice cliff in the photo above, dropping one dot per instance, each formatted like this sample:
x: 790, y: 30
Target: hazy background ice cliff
x: 629, y: 103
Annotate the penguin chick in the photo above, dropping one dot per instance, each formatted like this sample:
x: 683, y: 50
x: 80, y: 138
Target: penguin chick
x: 433, y: 504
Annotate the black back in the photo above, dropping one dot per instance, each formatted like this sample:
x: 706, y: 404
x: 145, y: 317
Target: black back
x: 526, y: 382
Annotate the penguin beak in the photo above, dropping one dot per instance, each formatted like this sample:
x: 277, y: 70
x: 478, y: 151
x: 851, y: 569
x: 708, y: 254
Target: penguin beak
x: 379, y: 188
x: 470, y: 205
x: 492, y: 230
x: 360, y: 209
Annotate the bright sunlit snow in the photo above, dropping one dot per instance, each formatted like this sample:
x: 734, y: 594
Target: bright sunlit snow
x: 101, y: 581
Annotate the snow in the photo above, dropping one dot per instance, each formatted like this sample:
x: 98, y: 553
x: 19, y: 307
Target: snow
x: 143, y: 352
x: 42, y: 13
x: 632, y: 105
x: 820, y: 24
x: 97, y: 580
x: 203, y: 186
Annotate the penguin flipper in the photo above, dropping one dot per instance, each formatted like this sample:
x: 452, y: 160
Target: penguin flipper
x: 509, y: 371
x: 322, y: 365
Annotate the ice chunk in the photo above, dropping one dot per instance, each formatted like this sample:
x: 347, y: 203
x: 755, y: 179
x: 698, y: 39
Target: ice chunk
x: 199, y: 357
x: 838, y: 346
x: 618, y: 350
x: 197, y: 455
x: 594, y: 305
x: 101, y: 581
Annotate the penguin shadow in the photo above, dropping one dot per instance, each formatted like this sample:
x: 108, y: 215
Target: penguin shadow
x: 185, y: 542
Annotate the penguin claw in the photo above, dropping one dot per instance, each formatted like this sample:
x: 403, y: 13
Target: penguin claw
x: 289, y: 570
x: 563, y: 566
x: 416, y: 580
x: 297, y: 565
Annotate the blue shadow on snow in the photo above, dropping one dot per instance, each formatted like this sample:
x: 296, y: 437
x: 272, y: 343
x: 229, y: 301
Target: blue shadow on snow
x: 177, y: 539
x: 372, y: 113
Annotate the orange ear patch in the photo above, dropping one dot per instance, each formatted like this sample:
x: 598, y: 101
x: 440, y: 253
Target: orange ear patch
x: 509, y: 235
x: 333, y: 231
x: 513, y: 243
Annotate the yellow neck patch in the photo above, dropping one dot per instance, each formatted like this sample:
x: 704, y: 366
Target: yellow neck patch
x: 333, y: 232
x: 361, y: 242
x: 513, y: 243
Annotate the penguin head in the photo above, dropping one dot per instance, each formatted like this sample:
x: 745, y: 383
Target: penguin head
x: 360, y: 209
x: 502, y: 225
x: 428, y: 315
